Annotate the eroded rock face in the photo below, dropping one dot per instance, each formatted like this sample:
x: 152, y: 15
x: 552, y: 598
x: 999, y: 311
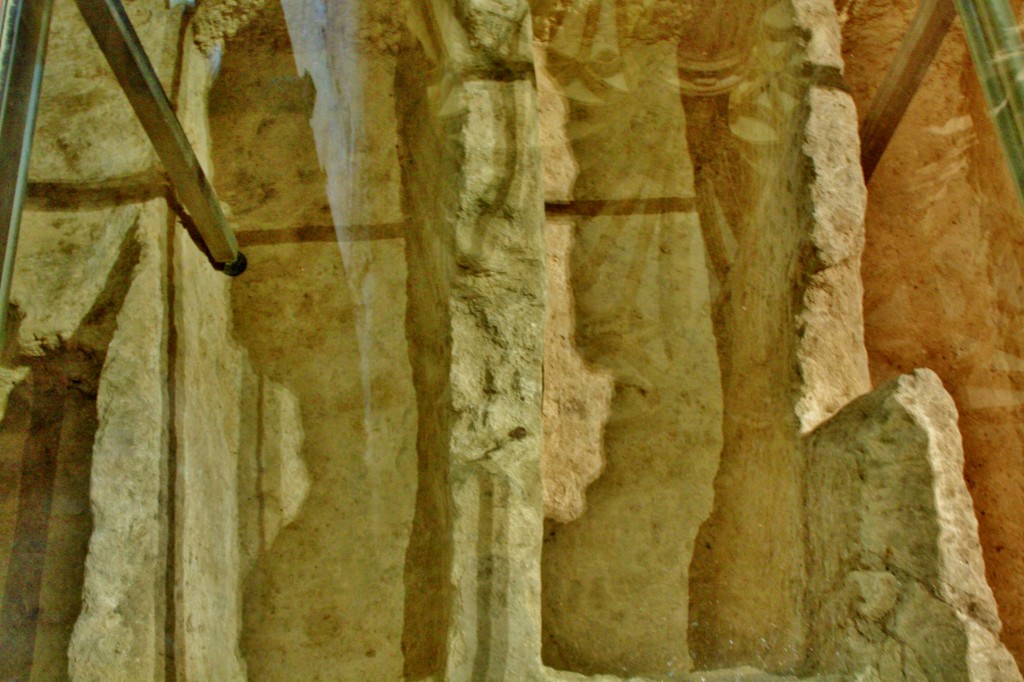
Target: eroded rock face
x: 480, y: 253
x: 119, y: 634
x: 897, y: 581
x: 87, y: 131
x: 577, y: 399
x: 942, y: 273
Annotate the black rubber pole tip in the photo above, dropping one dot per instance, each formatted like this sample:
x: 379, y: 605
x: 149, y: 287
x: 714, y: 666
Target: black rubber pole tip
x: 237, y: 266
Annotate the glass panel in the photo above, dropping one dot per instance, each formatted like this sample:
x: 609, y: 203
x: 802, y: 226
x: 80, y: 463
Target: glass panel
x: 571, y: 346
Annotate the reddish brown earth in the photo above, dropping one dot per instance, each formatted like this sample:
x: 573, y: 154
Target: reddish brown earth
x: 943, y: 274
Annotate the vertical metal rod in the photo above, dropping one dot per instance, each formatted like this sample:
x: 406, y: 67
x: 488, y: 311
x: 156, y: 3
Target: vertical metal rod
x: 929, y: 27
x: 23, y: 34
x: 112, y: 29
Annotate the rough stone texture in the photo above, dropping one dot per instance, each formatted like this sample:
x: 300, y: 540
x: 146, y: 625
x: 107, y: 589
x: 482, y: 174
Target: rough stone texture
x: 375, y: 25
x: 897, y: 581
x: 301, y: 530
x: 241, y: 473
x: 576, y: 398
x: 210, y: 371
x: 219, y: 20
x: 88, y: 291
x: 64, y: 264
x: 558, y: 164
x: 207, y: 424
x: 284, y: 477
x: 119, y: 634
x: 482, y: 240
x: 942, y: 274
x: 831, y: 354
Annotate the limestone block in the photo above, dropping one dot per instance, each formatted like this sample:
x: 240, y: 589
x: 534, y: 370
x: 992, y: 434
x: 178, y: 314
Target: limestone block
x: 832, y: 356
x: 486, y: 222
x: 119, y: 635
x: 897, y: 580
x: 217, y: 20
x: 577, y: 398
x: 497, y: 326
x: 65, y: 262
x: 210, y: 419
x: 559, y: 166
x: 284, y: 476
x: 825, y: 44
x: 10, y: 378
x: 210, y: 371
x: 944, y: 168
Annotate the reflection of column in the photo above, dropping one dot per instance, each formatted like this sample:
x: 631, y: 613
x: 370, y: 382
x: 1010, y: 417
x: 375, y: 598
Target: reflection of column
x: 715, y: 45
x: 713, y: 59
x: 347, y: 51
x: 643, y: 302
x: 356, y: 135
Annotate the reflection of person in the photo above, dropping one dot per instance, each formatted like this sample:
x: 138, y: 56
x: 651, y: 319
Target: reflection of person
x: 713, y: 56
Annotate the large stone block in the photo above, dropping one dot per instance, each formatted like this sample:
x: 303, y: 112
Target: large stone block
x: 897, y: 585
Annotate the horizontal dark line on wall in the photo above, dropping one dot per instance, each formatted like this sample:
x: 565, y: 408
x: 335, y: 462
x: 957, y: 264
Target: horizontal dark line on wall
x: 588, y: 208
x: 309, y: 234
x: 320, y: 233
x: 153, y: 185
x: 66, y: 195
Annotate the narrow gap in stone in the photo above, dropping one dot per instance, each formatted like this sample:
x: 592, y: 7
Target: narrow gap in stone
x: 168, y: 635
x: 428, y: 557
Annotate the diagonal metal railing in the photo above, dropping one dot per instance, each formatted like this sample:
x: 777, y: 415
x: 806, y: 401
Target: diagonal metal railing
x: 24, y: 35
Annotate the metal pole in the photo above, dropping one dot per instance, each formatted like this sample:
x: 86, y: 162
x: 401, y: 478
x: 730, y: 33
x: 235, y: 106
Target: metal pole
x: 997, y: 51
x: 23, y: 35
x: 117, y: 39
x: 930, y: 25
